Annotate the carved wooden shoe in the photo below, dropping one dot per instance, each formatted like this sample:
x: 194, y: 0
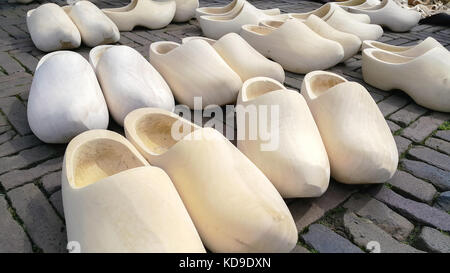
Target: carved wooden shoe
x: 357, y: 3
x: 65, y: 98
x: 349, y: 42
x: 294, y: 45
x: 185, y: 10
x: 293, y: 157
x: 390, y: 15
x: 243, y: 58
x: 94, y: 26
x: 408, y: 51
x: 325, y: 12
x: 232, y: 8
x: 52, y: 29
x: 234, y: 206
x: 128, y: 81
x: 360, y: 146
x: 343, y: 21
x: 114, y: 201
x: 195, y: 69
x: 425, y: 78
x: 151, y: 14
x: 216, y: 26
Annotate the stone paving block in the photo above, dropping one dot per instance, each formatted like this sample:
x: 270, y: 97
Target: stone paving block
x: 402, y: 144
x: 12, y: 236
x: 16, y: 112
x: 324, y: 240
x: 416, y: 211
x: 408, y: 114
x: 19, y: 177
x: 443, y: 201
x: 56, y: 200
x: 306, y: 211
x: 424, y: 126
x: 412, y: 187
x: 10, y: 65
x: 381, y: 215
x: 136, y: 38
x: 27, y: 60
x: 438, y: 144
x: 4, y: 128
x: 41, y: 221
x: 433, y: 240
x: 392, y: 126
x: 392, y: 104
x: 52, y: 182
x: 364, y: 231
x: 439, y: 178
x: 18, y: 144
x: 7, y: 136
x: 431, y: 157
x: 299, y: 249
x: 28, y: 157
x: 445, y: 135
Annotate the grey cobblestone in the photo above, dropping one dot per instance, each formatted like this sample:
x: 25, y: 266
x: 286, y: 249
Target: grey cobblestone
x: 445, y: 135
x: 438, y: 144
x: 417, y: 211
x: 439, y: 178
x: 392, y: 104
x: 431, y: 157
x: 18, y: 144
x: 52, y: 182
x: 381, y: 215
x: 16, y: 112
x: 363, y: 231
x: 408, y: 114
x: 19, y: 177
x: 402, y: 144
x: 412, y: 187
x: 433, y: 240
x: 27, y: 157
x: 324, y: 240
x: 443, y: 201
x: 41, y: 221
x: 424, y: 126
x: 12, y: 237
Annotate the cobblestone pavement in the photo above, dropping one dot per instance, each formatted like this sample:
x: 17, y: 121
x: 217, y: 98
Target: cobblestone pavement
x: 409, y: 213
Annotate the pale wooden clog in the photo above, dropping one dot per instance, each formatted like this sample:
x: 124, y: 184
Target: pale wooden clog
x: 94, y: 26
x: 114, y: 201
x: 151, y: 14
x: 408, y: 51
x: 52, y: 29
x: 185, y: 10
x: 234, y: 206
x: 390, y: 15
x: 294, y: 45
x: 232, y: 8
x: 243, y: 58
x: 360, y: 146
x: 195, y: 69
x: 297, y: 164
x: 65, y: 98
x: 128, y: 81
x: 325, y: 12
x: 425, y: 78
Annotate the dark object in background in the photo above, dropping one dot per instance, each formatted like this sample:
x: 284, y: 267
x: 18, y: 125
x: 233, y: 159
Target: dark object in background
x: 440, y: 19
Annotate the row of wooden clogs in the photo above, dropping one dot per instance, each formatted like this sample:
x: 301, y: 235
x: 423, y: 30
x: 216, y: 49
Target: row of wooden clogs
x: 55, y: 28
x: 213, y: 71
x: 243, y: 13
x: 110, y: 193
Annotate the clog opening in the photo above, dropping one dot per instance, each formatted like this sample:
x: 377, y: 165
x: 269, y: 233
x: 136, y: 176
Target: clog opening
x: 259, y: 88
x: 165, y: 48
x: 261, y: 30
x: 208, y: 40
x: 219, y: 10
x: 272, y: 23
x: 390, y: 58
x: 321, y: 13
x: 322, y: 82
x: 390, y: 48
x: 160, y: 132
x: 100, y: 158
x: 224, y: 17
